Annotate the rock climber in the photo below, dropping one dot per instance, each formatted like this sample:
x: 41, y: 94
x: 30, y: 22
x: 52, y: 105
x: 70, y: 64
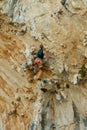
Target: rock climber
x: 35, y: 60
x: 39, y: 61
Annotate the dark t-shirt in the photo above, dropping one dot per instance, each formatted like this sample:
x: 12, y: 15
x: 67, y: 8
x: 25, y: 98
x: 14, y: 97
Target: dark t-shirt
x: 40, y: 54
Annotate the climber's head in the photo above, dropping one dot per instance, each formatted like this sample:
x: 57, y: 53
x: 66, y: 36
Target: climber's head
x: 41, y: 46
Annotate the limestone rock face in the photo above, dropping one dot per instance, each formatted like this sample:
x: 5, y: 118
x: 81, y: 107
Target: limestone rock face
x: 59, y: 100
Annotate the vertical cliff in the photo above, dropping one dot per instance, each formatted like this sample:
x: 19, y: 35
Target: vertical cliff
x: 59, y: 100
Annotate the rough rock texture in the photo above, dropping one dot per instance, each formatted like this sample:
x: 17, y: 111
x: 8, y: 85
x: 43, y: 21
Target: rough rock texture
x: 59, y: 101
